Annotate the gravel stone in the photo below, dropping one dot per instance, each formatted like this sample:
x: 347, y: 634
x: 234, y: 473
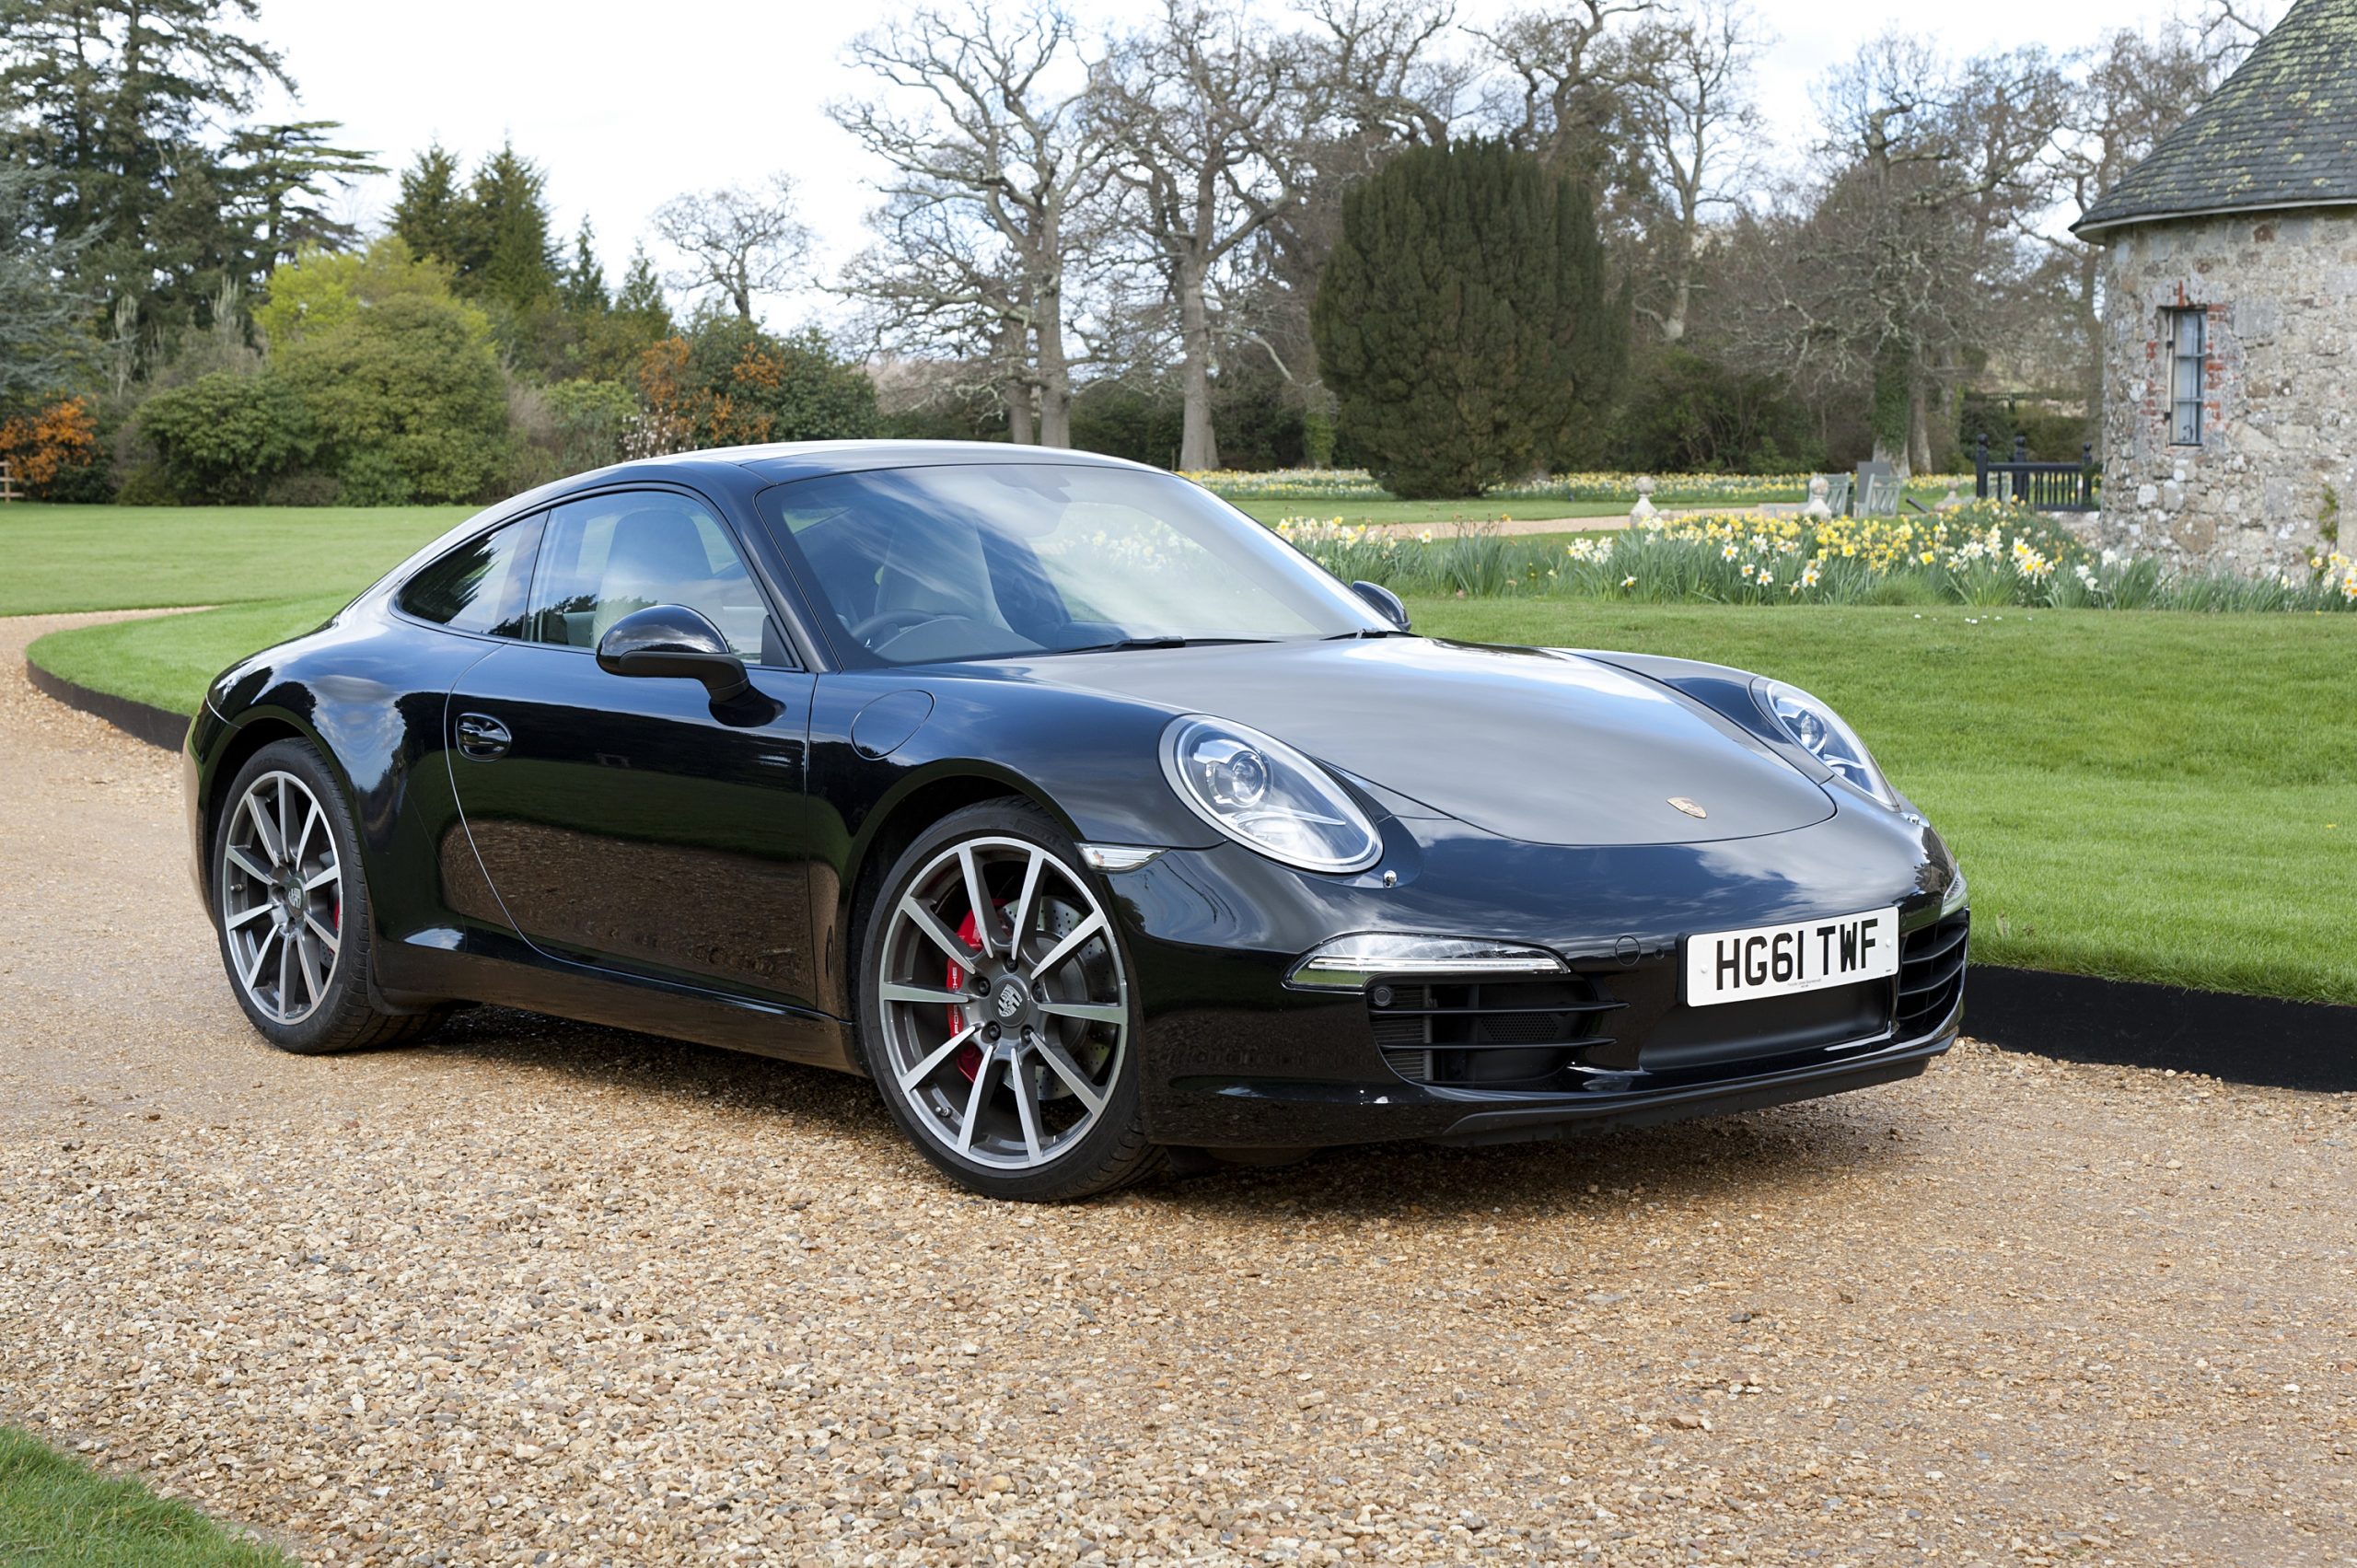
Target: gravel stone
x: 541, y: 1293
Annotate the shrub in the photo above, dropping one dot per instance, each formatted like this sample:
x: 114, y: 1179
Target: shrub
x: 409, y: 390
x: 1462, y: 320
x: 221, y: 440
x: 1689, y: 415
x: 728, y: 383
x: 54, y: 452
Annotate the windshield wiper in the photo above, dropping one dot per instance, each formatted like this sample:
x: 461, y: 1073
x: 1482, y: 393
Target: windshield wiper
x: 1368, y: 632
x: 1127, y: 642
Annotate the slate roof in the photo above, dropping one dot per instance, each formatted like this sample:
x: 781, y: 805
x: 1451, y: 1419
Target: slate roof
x: 2281, y: 132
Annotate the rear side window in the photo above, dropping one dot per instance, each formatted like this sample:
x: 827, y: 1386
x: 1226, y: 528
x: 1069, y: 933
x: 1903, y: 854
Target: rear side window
x: 480, y: 586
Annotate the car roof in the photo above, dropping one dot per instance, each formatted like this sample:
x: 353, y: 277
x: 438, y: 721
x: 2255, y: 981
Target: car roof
x: 780, y: 461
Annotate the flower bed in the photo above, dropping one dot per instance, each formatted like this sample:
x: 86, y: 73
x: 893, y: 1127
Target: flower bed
x: 1669, y: 488
x: 1985, y: 553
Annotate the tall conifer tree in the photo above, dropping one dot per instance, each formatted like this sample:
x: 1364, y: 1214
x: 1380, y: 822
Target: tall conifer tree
x: 1463, y: 320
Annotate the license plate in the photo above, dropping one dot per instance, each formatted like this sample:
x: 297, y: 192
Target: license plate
x: 1778, y: 960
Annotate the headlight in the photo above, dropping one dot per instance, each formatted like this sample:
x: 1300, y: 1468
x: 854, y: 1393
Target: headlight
x: 1819, y: 730
x: 1265, y: 794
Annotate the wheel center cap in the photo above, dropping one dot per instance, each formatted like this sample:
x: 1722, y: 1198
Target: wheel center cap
x: 1012, y: 998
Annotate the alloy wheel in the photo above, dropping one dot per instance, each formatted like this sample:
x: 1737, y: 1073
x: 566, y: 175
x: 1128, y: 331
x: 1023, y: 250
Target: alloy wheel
x: 1005, y: 1007
x: 282, y: 896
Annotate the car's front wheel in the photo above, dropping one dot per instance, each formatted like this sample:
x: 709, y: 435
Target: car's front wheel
x: 997, y: 1014
x: 291, y: 908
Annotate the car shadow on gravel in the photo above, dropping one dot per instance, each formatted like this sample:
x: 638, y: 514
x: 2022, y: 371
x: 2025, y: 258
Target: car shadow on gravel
x: 1751, y: 1155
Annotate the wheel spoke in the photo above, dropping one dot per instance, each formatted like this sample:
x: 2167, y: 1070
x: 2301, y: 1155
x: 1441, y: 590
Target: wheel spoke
x: 246, y: 863
x: 254, y: 963
x: 897, y: 990
x: 310, y: 821
x: 1027, y: 1105
x: 286, y: 963
x: 286, y: 822
x: 313, y: 984
x: 940, y: 1054
x: 1094, y: 1012
x: 1023, y: 904
x: 1053, y: 1053
x: 1071, y: 944
x: 974, y: 1104
x: 244, y: 915
x: 320, y: 878
x: 272, y: 845
x: 978, y: 899
x: 942, y: 936
x: 330, y: 940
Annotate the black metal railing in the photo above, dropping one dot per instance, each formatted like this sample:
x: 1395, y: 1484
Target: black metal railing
x: 2044, y: 487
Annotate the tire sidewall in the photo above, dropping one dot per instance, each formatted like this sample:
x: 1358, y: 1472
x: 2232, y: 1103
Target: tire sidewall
x: 1101, y: 1159
x: 348, y: 981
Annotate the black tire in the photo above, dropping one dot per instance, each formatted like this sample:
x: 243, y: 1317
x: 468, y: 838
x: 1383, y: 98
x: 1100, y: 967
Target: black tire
x: 1108, y: 1151
x: 298, y: 1009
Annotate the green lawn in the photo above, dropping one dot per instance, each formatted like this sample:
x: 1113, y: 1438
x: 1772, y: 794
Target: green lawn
x: 1439, y: 515
x: 63, y: 558
x: 61, y: 1514
x: 168, y: 660
x: 2142, y: 795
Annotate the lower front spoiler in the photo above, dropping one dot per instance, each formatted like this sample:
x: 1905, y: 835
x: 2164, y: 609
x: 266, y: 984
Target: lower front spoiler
x: 1266, y: 1114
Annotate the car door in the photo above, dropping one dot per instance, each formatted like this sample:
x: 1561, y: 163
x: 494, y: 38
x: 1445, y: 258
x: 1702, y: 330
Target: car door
x: 629, y: 822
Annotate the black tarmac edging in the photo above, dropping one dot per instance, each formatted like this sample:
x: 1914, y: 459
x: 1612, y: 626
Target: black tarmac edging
x: 142, y: 721
x: 2246, y: 1040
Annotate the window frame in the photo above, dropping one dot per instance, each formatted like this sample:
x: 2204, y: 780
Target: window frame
x: 536, y: 519
x: 2181, y: 318
x: 791, y: 640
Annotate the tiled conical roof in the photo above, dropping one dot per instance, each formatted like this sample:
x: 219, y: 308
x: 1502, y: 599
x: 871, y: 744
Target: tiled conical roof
x: 2282, y: 131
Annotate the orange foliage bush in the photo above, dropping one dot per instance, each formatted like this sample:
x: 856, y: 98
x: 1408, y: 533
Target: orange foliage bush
x: 57, y: 440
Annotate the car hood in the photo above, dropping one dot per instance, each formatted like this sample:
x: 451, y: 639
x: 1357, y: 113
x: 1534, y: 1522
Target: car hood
x: 1527, y: 744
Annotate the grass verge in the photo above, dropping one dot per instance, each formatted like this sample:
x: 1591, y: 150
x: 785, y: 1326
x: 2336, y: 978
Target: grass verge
x: 61, y: 1514
x: 68, y: 558
x: 2139, y: 796
x: 168, y: 660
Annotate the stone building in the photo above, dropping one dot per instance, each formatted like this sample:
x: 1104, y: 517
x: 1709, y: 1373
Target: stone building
x: 2230, y: 314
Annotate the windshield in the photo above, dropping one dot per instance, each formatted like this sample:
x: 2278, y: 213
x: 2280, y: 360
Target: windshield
x: 985, y: 560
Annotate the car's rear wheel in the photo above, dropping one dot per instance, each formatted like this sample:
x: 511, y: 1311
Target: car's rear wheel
x: 997, y: 1015
x: 291, y: 909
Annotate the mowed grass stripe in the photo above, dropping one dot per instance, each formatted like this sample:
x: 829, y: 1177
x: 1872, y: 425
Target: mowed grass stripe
x: 60, y: 559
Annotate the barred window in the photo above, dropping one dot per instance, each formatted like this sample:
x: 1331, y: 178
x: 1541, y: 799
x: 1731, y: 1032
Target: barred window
x: 2188, y: 347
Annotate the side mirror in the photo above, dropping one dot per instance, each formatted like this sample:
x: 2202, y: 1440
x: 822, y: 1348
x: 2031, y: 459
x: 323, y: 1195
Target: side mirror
x: 1387, y: 603
x: 674, y: 641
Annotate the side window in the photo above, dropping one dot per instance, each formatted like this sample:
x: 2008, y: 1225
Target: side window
x: 479, y: 587
x: 614, y: 554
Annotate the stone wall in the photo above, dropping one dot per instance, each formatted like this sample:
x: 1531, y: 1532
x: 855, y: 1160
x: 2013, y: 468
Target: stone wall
x: 2279, y: 440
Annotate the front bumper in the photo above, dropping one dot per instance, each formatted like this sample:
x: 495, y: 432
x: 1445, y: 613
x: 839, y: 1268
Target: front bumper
x: 1232, y: 1057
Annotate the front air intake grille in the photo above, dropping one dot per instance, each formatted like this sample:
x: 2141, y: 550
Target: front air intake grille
x: 1931, y: 973
x: 1484, y: 1032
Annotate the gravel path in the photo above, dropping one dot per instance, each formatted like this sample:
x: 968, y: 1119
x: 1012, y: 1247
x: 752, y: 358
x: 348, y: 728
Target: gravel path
x: 542, y: 1294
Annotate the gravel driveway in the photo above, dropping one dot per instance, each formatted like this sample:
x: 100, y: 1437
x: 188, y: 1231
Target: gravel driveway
x: 544, y: 1294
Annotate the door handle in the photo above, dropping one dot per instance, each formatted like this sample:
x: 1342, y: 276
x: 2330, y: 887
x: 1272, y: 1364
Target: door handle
x: 482, y: 738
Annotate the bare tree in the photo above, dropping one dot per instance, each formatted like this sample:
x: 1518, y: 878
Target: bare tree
x: 999, y: 162
x: 1696, y: 125
x: 1912, y: 237
x: 738, y: 242
x: 1563, y: 81
x: 1210, y: 114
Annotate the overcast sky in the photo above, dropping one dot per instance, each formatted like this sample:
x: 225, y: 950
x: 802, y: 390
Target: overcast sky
x: 627, y: 105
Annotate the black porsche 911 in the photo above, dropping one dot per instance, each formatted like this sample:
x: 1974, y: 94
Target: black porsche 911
x: 1077, y: 809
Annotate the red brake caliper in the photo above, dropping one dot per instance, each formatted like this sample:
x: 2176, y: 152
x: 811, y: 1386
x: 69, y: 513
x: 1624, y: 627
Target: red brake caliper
x: 970, y: 1056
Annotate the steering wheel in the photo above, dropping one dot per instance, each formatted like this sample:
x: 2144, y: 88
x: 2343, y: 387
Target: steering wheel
x: 866, y: 633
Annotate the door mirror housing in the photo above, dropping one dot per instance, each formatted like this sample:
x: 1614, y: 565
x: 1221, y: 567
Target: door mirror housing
x: 670, y: 640
x: 1387, y: 603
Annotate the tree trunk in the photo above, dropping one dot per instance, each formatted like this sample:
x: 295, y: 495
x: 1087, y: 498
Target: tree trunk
x: 1198, y: 447
x: 1055, y: 375
x: 1919, y: 431
x: 1894, y: 404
